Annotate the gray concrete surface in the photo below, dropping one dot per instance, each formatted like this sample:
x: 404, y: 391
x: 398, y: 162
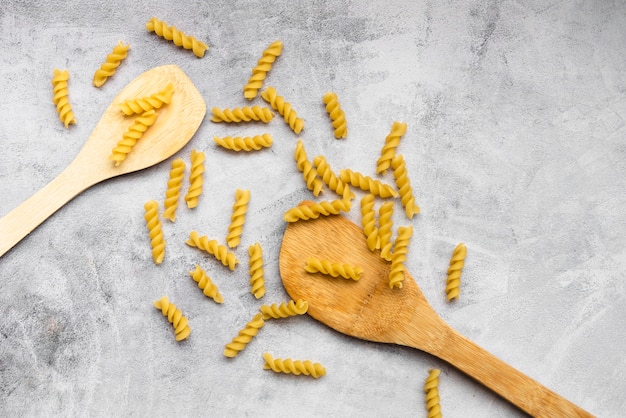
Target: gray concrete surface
x: 515, y: 146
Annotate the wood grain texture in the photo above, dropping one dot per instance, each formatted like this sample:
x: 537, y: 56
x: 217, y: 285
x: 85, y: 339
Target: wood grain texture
x: 368, y: 309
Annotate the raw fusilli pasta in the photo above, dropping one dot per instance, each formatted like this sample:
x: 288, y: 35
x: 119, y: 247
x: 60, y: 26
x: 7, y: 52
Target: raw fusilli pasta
x: 333, y: 182
x: 242, y: 114
x: 385, y: 224
x: 108, y: 67
x: 206, y: 284
x: 132, y: 135
x: 431, y: 388
x: 296, y: 367
x: 195, y: 179
x: 257, y: 279
x: 263, y: 66
x: 457, y: 262
x: 172, y: 193
x: 284, y: 310
x: 60, y: 97
x: 400, y: 250
x: 404, y: 186
x: 220, y: 252
x: 367, y: 184
x: 389, y: 149
x: 154, y: 230
x: 334, y: 269
x: 238, y: 217
x: 314, y: 211
x: 245, y: 336
x: 336, y: 114
x: 313, y: 182
x: 284, y: 108
x: 368, y: 221
x: 171, y: 33
x: 175, y: 317
x: 248, y: 143
x: 143, y: 104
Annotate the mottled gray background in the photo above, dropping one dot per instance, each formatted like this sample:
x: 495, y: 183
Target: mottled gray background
x: 515, y: 145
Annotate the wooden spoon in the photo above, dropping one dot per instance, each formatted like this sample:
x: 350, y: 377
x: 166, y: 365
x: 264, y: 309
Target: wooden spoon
x: 176, y: 124
x: 370, y: 310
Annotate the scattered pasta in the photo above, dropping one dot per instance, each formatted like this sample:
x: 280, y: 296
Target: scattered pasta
x: 209, y: 289
x: 245, y: 336
x: 154, y: 230
x: 174, y: 184
x: 431, y: 388
x: 400, y: 250
x: 385, y: 225
x: 257, y: 278
x: 367, y: 184
x: 296, y: 367
x: 175, y: 317
x: 334, y: 269
x: 242, y: 114
x: 284, y: 109
x: 404, y: 186
x: 220, y: 252
x: 313, y: 182
x: 143, y: 104
x: 195, y: 179
x: 248, y: 143
x: 108, y: 67
x: 337, y: 115
x: 259, y: 72
x: 238, y: 217
x: 314, y: 211
x: 171, y: 33
x: 60, y: 97
x: 329, y: 178
x: 132, y: 135
x: 457, y: 262
x: 368, y: 222
x: 284, y: 310
x: 389, y: 149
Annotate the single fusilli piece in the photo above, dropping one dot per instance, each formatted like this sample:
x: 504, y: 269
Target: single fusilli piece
x: 206, y: 284
x: 431, y: 388
x: 334, y: 269
x: 333, y: 182
x: 220, y: 252
x: 457, y: 262
x: 367, y: 184
x: 400, y: 250
x: 296, y: 367
x: 404, y: 186
x: 368, y: 221
x: 389, y: 149
x: 263, y: 66
x: 313, y: 182
x: 242, y: 114
x: 60, y: 97
x: 175, y: 317
x: 171, y: 33
x: 245, y: 336
x: 238, y: 217
x: 257, y: 278
x: 108, y: 67
x: 284, y: 310
x: 155, y: 231
x: 314, y: 211
x: 385, y: 225
x: 279, y: 104
x: 195, y: 179
x: 336, y: 114
x: 248, y: 143
x: 143, y: 104
x: 174, y: 184
x: 132, y: 135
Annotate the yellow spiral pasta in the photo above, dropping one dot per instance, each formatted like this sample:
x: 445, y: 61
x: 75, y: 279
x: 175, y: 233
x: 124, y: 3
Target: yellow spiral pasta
x: 333, y: 268
x: 404, y: 186
x: 195, y: 179
x: 431, y: 388
x: 242, y: 114
x: 108, y: 67
x: 143, y: 104
x: 257, y: 278
x: 284, y: 108
x: 400, y: 250
x: 171, y: 33
x: 385, y: 225
x: 206, y: 284
x: 284, y: 310
x: 367, y: 184
x: 368, y: 222
x: 336, y: 114
x: 453, y: 281
x: 248, y: 143
x: 175, y: 317
x: 174, y: 184
x: 259, y: 72
x: 389, y: 149
x: 313, y: 182
x: 132, y: 135
x: 155, y: 231
x: 329, y: 178
x: 314, y: 211
x: 245, y: 336
x: 60, y: 96
x: 296, y: 367
x: 238, y: 217
x: 220, y: 252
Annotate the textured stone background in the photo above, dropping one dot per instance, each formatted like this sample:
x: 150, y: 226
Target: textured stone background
x: 515, y: 146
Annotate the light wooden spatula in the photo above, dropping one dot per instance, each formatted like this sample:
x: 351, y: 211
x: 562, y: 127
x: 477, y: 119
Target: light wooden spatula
x: 370, y: 310
x: 175, y: 126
